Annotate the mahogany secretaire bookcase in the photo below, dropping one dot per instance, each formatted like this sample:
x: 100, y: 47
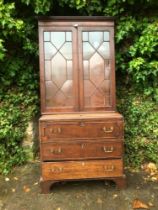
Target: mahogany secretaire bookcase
x: 81, y: 133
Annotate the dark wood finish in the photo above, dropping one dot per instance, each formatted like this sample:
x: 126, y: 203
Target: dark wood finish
x: 71, y: 170
x: 76, y: 18
x: 82, y: 129
x: 121, y: 182
x: 97, y: 97
x: 83, y: 150
x: 46, y: 186
x: 108, y: 116
x: 81, y: 133
x: 102, y: 125
x: 64, y: 107
x: 97, y: 79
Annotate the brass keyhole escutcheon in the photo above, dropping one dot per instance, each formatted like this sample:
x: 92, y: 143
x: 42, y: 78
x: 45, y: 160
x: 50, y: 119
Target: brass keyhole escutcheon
x: 82, y: 124
x: 82, y: 146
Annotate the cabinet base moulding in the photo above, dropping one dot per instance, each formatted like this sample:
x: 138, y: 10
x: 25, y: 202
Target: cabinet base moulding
x: 46, y: 186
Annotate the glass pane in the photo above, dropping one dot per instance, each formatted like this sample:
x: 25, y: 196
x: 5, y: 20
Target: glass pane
x: 69, y: 101
x: 49, y: 50
x: 105, y: 86
x: 58, y: 69
x: 104, y: 50
x: 97, y: 99
x: 67, y: 88
x: 68, y: 36
x: 69, y: 69
x: 47, y: 70
x: 58, y: 39
x: 85, y: 36
x: 86, y: 69
x: 66, y: 50
x: 59, y: 99
x: 89, y: 88
x: 87, y: 101
x: 107, y: 70
x: 47, y: 36
x: 107, y: 101
x: 96, y: 38
x: 88, y: 50
x: 106, y: 36
x: 96, y: 69
x: 51, y: 89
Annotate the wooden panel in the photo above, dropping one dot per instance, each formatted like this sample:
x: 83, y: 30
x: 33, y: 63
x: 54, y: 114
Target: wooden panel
x: 80, y: 150
x: 83, y: 116
x: 82, y: 169
x: 80, y: 20
x: 83, y: 129
x: 70, y: 19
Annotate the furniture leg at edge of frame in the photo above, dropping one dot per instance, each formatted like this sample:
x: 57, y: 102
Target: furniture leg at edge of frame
x: 121, y: 182
x: 46, y: 186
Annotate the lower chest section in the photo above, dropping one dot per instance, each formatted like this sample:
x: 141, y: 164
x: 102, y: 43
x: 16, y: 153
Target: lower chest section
x: 81, y: 148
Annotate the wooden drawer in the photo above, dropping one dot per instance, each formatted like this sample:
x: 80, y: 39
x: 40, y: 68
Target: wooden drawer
x: 80, y: 150
x: 82, y: 169
x: 81, y: 129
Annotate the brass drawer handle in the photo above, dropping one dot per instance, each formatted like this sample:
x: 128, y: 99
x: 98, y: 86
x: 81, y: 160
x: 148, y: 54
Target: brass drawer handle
x: 56, y: 151
x: 109, y: 168
x: 55, y: 130
x: 56, y: 170
x: 43, y: 131
x: 108, y: 149
x: 108, y: 130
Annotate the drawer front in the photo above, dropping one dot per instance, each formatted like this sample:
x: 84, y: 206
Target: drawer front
x: 82, y: 130
x: 81, y: 150
x: 82, y: 169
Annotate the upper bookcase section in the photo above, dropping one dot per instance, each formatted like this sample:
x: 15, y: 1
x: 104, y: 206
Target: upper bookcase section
x: 77, y: 64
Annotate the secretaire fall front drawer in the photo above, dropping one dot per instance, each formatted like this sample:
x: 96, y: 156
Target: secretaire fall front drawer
x: 82, y: 129
x: 81, y: 150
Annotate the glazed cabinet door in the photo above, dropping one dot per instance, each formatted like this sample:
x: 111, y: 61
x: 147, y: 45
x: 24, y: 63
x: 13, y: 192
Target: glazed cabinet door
x: 96, y: 59
x: 77, y: 67
x: 58, y: 69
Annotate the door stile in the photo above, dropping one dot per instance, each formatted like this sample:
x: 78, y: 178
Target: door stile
x: 81, y: 74
x: 75, y: 68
